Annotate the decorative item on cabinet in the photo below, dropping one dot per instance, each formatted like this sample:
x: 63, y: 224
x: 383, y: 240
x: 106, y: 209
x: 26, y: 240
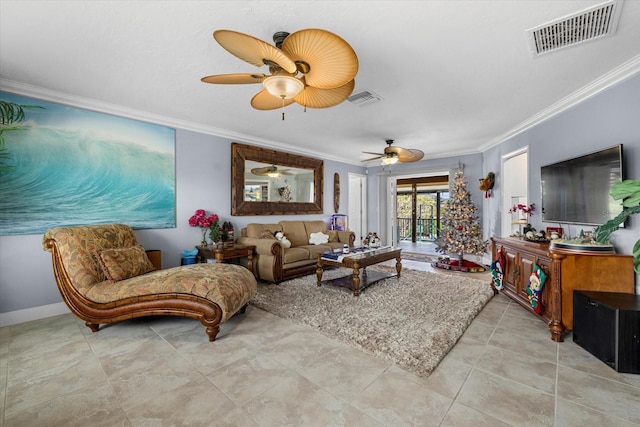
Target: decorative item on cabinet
x: 338, y: 222
x: 520, y: 213
x: 228, y: 234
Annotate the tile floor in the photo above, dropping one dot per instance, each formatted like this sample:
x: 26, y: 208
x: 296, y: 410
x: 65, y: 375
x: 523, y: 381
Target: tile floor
x: 266, y: 371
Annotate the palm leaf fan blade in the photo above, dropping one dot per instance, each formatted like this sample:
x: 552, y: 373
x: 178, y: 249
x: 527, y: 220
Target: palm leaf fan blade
x: 373, y: 158
x: 231, y: 79
x: 405, y: 155
x: 253, y: 50
x: 263, y: 100
x: 332, y: 61
x: 313, y: 97
x: 411, y: 155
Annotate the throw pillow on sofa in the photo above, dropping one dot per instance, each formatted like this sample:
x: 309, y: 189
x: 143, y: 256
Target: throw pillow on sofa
x: 266, y: 234
x: 124, y: 263
x: 333, y: 236
x: 318, y: 238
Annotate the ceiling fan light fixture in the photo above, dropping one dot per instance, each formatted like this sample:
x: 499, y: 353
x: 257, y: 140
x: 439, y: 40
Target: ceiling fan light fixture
x: 390, y: 160
x: 273, y: 174
x: 284, y: 87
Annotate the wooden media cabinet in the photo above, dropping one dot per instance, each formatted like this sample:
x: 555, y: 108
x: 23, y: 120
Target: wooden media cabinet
x: 566, y: 271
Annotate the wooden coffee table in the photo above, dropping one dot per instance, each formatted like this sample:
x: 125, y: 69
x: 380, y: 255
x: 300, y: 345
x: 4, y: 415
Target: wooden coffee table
x: 360, y: 279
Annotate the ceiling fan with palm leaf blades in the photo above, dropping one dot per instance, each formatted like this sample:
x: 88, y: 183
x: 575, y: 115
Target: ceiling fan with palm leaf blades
x: 393, y: 155
x: 313, y: 67
x: 270, y: 171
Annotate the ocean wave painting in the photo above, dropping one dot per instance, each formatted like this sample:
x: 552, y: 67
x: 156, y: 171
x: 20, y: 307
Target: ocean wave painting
x: 73, y: 166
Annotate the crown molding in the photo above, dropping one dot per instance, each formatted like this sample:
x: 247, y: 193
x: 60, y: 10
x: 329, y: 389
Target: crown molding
x: 24, y: 89
x: 623, y: 72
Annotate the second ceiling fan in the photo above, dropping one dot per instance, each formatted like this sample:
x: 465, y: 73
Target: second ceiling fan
x: 270, y: 171
x: 312, y: 67
x: 393, y: 155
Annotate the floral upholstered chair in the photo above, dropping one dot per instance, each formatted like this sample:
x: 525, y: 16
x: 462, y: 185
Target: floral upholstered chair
x: 105, y: 276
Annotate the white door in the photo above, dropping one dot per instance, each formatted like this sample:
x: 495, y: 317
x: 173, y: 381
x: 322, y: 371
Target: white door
x: 515, y: 173
x: 357, y: 216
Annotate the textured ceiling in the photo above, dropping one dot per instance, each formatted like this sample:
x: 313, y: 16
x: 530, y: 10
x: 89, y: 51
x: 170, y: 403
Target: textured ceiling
x: 454, y: 76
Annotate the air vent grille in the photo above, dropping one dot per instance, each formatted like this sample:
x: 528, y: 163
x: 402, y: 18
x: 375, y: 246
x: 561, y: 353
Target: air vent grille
x: 364, y: 98
x: 596, y: 22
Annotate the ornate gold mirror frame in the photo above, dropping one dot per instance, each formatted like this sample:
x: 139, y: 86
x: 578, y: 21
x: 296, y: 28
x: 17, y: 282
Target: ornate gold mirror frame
x: 242, y: 180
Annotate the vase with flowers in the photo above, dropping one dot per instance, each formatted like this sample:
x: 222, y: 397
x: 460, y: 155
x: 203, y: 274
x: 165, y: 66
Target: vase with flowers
x: 204, y: 222
x: 520, y: 213
x: 528, y: 210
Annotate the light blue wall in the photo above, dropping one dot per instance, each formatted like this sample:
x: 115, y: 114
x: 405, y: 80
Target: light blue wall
x: 609, y: 118
x: 203, y: 180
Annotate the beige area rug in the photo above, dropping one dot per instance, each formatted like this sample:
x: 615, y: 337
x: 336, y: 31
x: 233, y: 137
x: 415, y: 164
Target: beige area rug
x: 413, y: 322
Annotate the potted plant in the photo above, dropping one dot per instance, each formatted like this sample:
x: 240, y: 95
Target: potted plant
x: 629, y: 192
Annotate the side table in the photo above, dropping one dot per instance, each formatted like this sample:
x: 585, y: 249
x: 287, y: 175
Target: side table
x: 225, y: 254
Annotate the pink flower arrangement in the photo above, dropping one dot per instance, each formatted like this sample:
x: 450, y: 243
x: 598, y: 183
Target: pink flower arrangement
x: 524, y: 208
x: 205, y: 222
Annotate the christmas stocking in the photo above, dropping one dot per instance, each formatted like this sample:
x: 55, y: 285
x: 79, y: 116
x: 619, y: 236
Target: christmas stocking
x: 497, y: 270
x: 534, y: 288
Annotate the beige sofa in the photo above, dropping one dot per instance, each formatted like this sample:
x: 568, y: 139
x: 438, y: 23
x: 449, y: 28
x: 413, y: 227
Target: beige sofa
x: 275, y: 263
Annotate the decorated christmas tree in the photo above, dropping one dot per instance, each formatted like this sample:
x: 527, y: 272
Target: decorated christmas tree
x: 461, y: 232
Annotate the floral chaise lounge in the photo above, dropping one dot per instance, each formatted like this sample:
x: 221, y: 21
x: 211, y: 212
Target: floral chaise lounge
x: 105, y: 276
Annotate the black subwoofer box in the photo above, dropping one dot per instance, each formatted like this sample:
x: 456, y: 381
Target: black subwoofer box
x: 607, y: 325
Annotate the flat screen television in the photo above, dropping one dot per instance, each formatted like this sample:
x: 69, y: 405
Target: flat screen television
x: 577, y: 191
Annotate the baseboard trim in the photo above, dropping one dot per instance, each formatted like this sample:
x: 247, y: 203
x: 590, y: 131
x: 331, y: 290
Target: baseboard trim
x: 34, y: 313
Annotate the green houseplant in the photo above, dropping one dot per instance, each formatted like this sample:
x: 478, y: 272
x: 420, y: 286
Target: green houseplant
x: 629, y: 192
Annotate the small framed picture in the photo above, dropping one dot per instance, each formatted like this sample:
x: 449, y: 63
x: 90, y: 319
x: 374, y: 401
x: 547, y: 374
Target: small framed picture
x: 554, y: 230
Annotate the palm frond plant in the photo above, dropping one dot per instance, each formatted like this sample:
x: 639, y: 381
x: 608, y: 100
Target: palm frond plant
x: 629, y: 192
x: 11, y: 115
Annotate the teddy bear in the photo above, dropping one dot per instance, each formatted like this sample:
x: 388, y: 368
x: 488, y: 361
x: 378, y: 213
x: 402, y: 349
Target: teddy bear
x: 279, y: 235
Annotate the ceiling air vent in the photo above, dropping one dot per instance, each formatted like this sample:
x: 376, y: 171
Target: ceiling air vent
x: 364, y: 98
x: 593, y: 23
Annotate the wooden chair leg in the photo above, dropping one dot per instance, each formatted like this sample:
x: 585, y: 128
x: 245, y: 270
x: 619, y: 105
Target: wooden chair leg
x: 93, y: 326
x: 212, y: 331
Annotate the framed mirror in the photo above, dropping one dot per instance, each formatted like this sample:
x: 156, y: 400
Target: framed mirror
x: 270, y: 182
